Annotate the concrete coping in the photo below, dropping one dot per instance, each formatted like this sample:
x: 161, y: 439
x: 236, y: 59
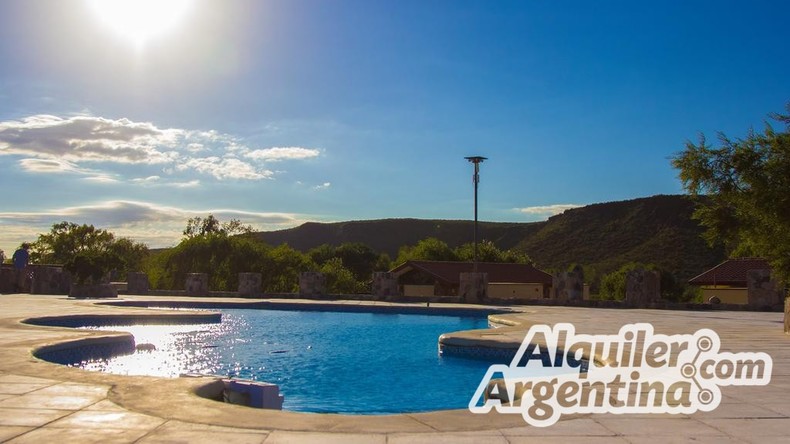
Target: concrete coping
x: 167, y: 397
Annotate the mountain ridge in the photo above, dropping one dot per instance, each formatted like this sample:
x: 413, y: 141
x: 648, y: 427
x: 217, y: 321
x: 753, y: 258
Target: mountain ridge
x: 602, y: 236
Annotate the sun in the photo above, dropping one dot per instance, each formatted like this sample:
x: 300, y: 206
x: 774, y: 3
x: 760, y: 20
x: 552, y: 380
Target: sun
x: 140, y: 20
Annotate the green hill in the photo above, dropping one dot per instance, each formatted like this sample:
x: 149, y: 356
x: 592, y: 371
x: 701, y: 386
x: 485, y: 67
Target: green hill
x: 388, y: 235
x: 656, y: 229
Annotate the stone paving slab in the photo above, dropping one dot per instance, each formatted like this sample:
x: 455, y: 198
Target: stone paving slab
x: 79, y: 436
x: 30, y: 417
x: 178, y: 431
x: 44, y: 402
x: 8, y: 432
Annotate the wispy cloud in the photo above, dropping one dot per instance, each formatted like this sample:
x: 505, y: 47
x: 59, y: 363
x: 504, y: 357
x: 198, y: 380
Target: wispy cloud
x: 52, y: 144
x: 227, y: 168
x: 323, y: 186
x: 545, y: 211
x: 153, y: 224
x: 102, y: 178
x: 86, y: 138
x: 277, y: 154
x: 59, y: 166
x: 147, y: 180
x: 33, y: 165
x: 155, y: 181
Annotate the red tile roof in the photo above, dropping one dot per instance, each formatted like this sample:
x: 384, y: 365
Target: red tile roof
x: 497, y: 272
x: 731, y: 272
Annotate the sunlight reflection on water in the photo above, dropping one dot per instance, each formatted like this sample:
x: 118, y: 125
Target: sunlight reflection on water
x: 177, y: 349
x: 322, y: 361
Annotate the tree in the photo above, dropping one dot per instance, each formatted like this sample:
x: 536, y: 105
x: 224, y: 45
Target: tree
x: 433, y: 249
x: 321, y: 254
x: 198, y: 226
x: 429, y: 249
x: 359, y: 259
x: 281, y: 271
x: 67, y: 241
x: 488, y: 252
x: 133, y: 254
x: 613, y: 285
x: 217, y: 249
x: 744, y: 191
x: 339, y: 279
x: 91, y: 267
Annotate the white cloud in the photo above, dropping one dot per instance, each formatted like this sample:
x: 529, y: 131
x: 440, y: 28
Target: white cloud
x: 156, y: 225
x: 156, y: 181
x: 228, y: 168
x: 52, y: 166
x: 323, y: 186
x: 87, y: 139
x: 279, y: 153
x: 189, y: 184
x: 546, y: 210
x: 102, y: 178
x: 52, y: 144
x: 148, y: 180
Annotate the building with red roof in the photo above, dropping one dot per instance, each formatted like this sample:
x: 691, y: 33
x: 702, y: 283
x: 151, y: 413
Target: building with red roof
x: 727, y: 281
x: 505, y: 280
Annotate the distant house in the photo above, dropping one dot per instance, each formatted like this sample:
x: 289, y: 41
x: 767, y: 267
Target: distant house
x: 505, y: 281
x: 727, y: 281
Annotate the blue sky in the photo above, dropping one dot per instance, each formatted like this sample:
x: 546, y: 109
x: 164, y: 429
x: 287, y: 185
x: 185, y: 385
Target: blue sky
x: 281, y: 112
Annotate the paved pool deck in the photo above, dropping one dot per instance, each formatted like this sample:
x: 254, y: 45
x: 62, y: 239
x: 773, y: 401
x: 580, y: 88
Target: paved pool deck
x: 44, y: 402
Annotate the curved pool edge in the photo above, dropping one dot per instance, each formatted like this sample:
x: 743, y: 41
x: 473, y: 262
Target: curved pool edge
x: 189, y: 400
x: 145, y: 409
x: 184, y: 399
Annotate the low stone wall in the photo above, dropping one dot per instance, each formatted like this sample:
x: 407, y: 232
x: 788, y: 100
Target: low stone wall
x: 35, y: 279
x: 92, y: 291
x: 50, y: 280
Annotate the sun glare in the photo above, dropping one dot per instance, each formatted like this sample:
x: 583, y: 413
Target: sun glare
x: 140, y: 20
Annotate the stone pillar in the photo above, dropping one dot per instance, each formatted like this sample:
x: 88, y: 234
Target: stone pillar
x: 642, y: 287
x: 568, y: 285
x: 787, y: 315
x: 312, y: 283
x: 49, y: 280
x: 137, y: 283
x: 762, y: 289
x: 473, y: 287
x: 250, y: 284
x: 7, y: 280
x: 197, y: 284
x: 385, y: 285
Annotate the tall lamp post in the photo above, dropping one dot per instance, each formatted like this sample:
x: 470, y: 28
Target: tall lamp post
x: 477, y: 160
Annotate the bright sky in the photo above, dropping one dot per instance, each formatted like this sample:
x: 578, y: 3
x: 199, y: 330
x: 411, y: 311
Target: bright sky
x: 136, y: 117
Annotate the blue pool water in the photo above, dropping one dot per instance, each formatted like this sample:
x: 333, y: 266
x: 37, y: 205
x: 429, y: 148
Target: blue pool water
x: 361, y: 363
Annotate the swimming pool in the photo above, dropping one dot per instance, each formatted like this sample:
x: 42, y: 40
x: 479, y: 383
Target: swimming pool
x: 323, y: 361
